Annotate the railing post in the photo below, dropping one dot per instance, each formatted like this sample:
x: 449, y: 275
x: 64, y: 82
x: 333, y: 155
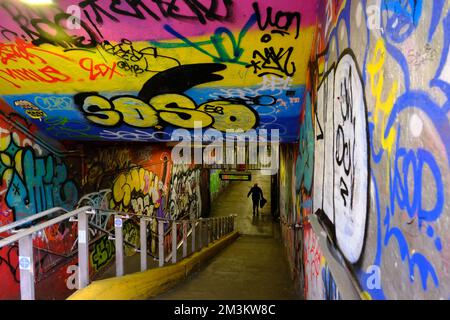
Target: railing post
x: 118, y: 222
x: 185, y: 238
x: 227, y: 225
x: 211, y: 231
x: 174, y: 242
x: 217, y: 229
x: 161, y: 243
x: 83, y: 250
x: 26, y: 266
x: 200, y: 233
x: 221, y: 227
x: 207, y: 232
x: 143, y: 237
x: 193, y: 236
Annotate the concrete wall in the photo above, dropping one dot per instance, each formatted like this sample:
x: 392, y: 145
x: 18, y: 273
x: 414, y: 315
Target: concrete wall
x: 374, y: 149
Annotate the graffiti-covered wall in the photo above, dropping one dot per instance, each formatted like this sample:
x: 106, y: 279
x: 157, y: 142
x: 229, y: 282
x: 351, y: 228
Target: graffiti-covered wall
x: 127, y: 179
x: 135, y: 70
x: 133, y: 179
x: 310, y: 272
x: 185, y: 192
x: 374, y: 144
x: 33, y: 179
x: 216, y: 185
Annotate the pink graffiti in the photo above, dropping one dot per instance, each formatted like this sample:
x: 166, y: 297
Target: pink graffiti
x: 135, y: 20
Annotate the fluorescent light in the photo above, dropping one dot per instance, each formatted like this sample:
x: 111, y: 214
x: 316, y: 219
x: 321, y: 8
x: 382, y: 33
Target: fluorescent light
x: 37, y: 2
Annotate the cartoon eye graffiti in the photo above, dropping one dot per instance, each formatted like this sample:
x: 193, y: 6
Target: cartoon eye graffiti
x: 228, y: 115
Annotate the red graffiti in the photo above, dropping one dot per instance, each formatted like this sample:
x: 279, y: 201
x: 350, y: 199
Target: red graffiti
x: 21, y: 50
x: 9, y: 270
x: 98, y: 70
x: 47, y: 74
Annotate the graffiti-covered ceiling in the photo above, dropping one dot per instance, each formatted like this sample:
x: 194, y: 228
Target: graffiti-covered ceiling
x: 136, y: 70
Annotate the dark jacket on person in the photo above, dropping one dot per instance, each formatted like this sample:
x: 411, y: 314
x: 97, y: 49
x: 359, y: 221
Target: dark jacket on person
x: 256, y: 193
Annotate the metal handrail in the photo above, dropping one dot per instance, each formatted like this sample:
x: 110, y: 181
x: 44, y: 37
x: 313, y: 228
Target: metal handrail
x: 215, y: 229
x: 29, y: 231
x: 30, y: 218
x: 181, y: 242
x: 26, y: 251
x: 144, y: 216
x: 111, y: 236
x: 217, y: 232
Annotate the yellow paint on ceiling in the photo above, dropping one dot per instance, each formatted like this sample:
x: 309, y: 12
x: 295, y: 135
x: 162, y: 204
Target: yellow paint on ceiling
x: 50, y: 69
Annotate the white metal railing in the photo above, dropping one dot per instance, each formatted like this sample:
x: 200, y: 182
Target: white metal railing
x: 202, y: 232
x: 25, y: 239
x: 29, y: 219
x: 209, y: 230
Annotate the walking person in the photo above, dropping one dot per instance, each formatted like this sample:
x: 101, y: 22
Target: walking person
x: 257, y: 195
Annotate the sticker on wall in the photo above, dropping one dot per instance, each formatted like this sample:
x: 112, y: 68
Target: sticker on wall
x: 31, y: 109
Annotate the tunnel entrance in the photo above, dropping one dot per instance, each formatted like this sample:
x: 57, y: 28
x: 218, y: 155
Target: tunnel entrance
x: 234, y: 200
x: 254, y: 267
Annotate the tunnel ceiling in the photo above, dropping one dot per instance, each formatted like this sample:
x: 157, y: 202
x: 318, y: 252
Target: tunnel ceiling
x: 137, y: 70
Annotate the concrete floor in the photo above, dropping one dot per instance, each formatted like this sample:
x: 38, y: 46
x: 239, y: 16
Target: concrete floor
x: 253, y: 267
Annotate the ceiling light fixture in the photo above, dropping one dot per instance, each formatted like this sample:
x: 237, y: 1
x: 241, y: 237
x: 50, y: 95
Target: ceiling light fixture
x: 37, y: 2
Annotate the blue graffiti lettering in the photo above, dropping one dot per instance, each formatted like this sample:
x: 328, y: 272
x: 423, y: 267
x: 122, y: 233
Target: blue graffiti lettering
x: 37, y: 183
